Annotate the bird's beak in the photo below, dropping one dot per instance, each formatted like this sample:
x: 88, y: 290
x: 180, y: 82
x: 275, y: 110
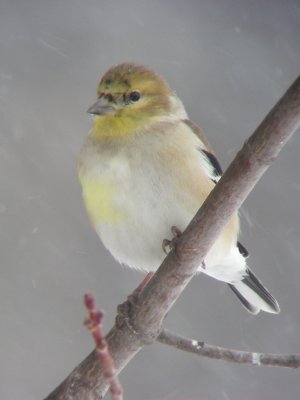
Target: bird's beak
x: 101, y: 107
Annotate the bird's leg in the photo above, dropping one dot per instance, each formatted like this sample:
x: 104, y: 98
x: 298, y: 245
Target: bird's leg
x: 124, y: 309
x: 176, y: 232
x: 172, y: 243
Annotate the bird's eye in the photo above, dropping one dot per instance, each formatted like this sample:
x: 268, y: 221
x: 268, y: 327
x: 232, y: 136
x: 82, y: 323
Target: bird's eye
x: 109, y: 97
x: 134, y: 96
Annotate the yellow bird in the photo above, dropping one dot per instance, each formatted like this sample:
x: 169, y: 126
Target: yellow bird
x: 144, y: 168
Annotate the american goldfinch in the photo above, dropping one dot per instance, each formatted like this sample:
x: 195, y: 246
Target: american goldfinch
x: 144, y: 168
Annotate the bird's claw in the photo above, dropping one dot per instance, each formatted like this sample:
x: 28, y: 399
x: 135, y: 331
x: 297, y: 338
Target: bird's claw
x: 176, y: 232
x: 166, y: 243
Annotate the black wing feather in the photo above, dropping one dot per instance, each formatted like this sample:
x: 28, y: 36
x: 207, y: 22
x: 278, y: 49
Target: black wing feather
x: 214, y: 162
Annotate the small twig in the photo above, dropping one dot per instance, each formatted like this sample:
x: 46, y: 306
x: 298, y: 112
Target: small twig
x: 94, y: 324
x: 203, y: 349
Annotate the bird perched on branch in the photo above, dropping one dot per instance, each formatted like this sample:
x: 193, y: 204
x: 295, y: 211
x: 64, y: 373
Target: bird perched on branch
x: 144, y: 168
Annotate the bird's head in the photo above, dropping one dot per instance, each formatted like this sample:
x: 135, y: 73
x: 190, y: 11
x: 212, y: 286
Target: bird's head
x: 131, y: 97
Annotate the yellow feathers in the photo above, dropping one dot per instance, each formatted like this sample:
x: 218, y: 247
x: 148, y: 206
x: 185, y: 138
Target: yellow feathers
x: 112, y: 126
x: 98, y: 197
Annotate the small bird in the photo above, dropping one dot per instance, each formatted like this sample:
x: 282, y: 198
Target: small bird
x: 144, y: 168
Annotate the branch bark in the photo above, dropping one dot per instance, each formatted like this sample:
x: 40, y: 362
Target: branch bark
x: 200, y: 348
x: 145, y: 320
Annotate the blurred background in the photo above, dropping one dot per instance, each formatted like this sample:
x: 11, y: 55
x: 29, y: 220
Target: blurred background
x: 229, y: 61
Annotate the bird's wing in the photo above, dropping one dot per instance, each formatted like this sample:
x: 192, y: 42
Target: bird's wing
x: 208, y: 152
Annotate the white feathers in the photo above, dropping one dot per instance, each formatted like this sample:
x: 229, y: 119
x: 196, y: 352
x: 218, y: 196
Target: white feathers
x: 256, y: 301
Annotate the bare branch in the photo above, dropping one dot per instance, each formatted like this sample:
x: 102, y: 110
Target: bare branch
x: 202, y: 349
x: 144, y: 322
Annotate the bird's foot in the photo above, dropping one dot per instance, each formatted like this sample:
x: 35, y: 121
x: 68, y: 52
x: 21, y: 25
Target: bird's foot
x: 171, y: 243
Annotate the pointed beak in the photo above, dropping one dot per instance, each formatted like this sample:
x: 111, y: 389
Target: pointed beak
x: 101, y: 107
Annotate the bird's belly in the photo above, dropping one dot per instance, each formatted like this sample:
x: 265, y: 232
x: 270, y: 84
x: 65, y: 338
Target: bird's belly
x: 133, y: 206
x: 138, y: 243
x: 98, y: 195
x: 136, y: 238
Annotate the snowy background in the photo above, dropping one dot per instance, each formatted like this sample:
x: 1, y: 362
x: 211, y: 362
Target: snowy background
x: 229, y: 61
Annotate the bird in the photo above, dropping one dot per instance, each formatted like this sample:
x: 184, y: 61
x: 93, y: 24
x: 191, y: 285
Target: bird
x: 144, y: 168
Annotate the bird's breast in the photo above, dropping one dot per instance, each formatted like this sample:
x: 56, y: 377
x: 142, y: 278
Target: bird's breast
x: 103, y: 177
x: 99, y: 195
x: 134, y: 193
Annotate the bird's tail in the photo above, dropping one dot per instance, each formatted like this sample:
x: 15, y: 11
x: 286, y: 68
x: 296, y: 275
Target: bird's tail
x: 253, y: 295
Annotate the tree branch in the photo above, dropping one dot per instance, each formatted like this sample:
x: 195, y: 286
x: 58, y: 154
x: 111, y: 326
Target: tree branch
x: 144, y: 323
x: 200, y: 348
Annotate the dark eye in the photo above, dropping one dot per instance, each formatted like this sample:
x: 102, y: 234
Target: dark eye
x: 134, y: 96
x: 109, y: 97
